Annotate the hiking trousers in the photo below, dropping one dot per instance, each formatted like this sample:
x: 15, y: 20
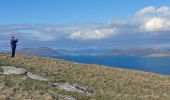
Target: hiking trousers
x: 13, y: 52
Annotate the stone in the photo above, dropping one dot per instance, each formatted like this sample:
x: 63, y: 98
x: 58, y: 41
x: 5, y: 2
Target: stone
x: 71, y: 87
x: 36, y: 77
x: 7, y: 70
x: 13, y: 70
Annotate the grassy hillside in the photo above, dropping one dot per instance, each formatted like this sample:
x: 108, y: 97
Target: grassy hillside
x: 107, y: 83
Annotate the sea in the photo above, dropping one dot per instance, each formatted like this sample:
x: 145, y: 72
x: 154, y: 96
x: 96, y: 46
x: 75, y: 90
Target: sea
x: 158, y: 65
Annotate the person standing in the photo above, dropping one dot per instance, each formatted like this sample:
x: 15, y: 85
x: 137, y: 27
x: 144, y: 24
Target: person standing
x: 13, y: 43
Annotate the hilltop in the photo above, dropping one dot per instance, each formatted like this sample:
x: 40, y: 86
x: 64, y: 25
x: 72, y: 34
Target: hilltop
x: 106, y: 83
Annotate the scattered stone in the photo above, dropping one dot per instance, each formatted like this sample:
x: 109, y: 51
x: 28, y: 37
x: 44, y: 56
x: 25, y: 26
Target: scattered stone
x: 13, y: 70
x: 71, y: 87
x: 36, y: 77
x: 8, y: 70
x: 61, y: 96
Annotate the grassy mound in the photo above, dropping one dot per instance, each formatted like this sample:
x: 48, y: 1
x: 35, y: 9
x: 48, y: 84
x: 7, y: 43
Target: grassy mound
x: 106, y: 82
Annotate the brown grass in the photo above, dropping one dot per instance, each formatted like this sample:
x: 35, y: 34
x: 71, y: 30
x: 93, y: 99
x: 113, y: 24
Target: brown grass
x: 106, y: 82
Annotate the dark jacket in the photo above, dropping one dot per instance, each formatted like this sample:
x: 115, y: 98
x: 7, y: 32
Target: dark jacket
x: 13, y: 42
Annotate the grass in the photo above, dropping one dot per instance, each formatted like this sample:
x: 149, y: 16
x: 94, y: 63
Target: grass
x: 106, y: 82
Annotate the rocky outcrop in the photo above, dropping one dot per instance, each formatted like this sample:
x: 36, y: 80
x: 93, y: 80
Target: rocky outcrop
x: 13, y: 70
x: 71, y: 87
x: 8, y: 70
x: 36, y: 77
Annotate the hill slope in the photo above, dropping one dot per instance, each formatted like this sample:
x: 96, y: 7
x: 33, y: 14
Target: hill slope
x: 107, y: 83
x: 42, y: 51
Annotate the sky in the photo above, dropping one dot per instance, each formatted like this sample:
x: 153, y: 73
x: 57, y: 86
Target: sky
x: 85, y: 24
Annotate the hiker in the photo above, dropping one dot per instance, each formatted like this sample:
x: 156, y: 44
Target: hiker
x: 13, y: 42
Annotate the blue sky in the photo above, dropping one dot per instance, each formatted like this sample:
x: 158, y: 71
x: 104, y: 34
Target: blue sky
x: 80, y: 24
x: 70, y: 11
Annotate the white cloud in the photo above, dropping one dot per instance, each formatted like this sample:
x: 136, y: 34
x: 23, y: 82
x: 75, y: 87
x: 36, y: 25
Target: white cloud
x: 118, y: 33
x: 164, y: 10
x: 146, y: 10
x: 153, y: 19
x: 148, y: 19
x: 92, y: 34
x: 156, y: 24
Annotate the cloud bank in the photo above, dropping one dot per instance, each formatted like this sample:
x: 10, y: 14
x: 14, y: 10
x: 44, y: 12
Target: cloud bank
x: 149, y: 27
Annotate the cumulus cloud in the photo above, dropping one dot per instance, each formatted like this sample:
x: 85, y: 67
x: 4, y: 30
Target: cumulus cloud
x: 156, y: 24
x: 99, y: 31
x: 153, y: 19
x: 146, y: 10
x: 45, y: 32
x: 148, y: 19
x: 93, y: 34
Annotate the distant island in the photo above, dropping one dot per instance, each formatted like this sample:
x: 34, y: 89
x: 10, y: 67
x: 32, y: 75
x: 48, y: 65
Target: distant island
x: 158, y: 55
x: 139, y: 52
x: 45, y: 51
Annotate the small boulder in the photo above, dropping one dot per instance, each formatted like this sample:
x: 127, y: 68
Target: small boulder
x: 71, y: 87
x: 36, y: 77
x: 13, y: 70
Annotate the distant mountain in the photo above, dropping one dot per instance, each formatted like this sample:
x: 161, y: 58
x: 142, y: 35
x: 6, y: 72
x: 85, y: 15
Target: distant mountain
x: 138, y: 52
x: 42, y: 51
x: 84, y: 52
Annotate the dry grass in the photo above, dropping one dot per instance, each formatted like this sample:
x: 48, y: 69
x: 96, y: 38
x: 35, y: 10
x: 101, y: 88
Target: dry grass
x: 107, y: 83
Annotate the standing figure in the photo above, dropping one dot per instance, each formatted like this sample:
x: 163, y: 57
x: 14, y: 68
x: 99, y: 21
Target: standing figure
x: 13, y: 42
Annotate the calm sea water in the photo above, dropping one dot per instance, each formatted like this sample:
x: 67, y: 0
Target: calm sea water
x: 148, y: 64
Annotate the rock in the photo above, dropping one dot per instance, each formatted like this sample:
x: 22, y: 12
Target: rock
x: 36, y: 77
x: 71, y: 87
x: 13, y: 70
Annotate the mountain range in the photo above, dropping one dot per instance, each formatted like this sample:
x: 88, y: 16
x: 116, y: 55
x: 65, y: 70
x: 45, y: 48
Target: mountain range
x: 44, y: 51
x: 139, y: 52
